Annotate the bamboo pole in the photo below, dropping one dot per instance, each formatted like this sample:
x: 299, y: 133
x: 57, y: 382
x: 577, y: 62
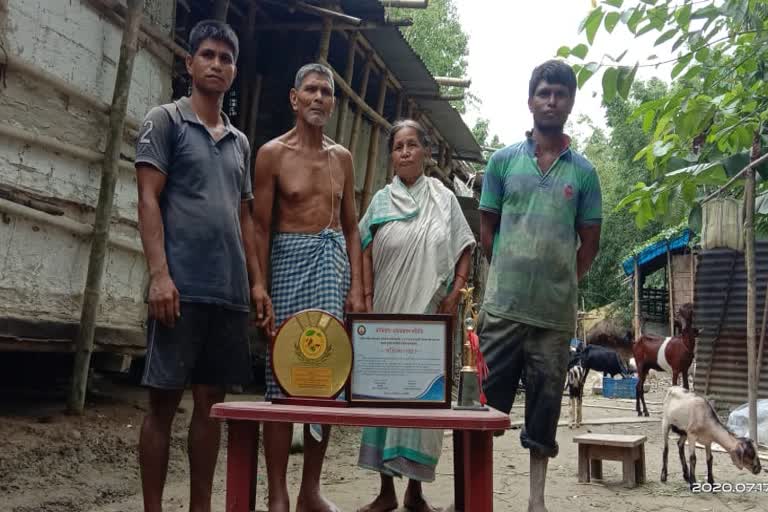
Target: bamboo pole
x: 248, y: 82
x: 357, y: 100
x: 316, y: 27
x: 638, y: 330
x: 349, y: 72
x: 155, y: 33
x: 671, y: 294
x: 759, y: 362
x: 355, y: 135
x: 325, y: 39
x: 373, y: 149
x: 400, y: 105
x: 97, y: 259
x: 253, y: 115
x: 749, y: 254
x: 406, y: 4
x: 453, y: 82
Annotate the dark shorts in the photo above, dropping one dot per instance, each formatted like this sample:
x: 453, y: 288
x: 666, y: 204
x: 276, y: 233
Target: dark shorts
x: 509, y: 348
x: 208, y: 345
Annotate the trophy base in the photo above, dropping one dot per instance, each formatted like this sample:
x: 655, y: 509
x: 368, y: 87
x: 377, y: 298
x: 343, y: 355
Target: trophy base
x: 310, y: 402
x: 469, y: 392
x: 458, y: 407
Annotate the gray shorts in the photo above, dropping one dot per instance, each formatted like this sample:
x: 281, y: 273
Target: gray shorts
x: 208, y: 345
x: 509, y: 348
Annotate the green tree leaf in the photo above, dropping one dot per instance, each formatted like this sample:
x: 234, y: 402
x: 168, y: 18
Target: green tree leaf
x: 611, y: 20
x: 564, y: 51
x: 586, y: 73
x: 624, y: 80
x: 592, y: 23
x: 682, y: 63
x: 610, y: 81
x: 580, y: 50
x: 666, y: 36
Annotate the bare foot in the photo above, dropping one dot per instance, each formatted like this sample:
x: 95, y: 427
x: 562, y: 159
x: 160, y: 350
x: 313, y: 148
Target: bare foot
x: 316, y: 503
x: 419, y: 504
x: 380, y: 504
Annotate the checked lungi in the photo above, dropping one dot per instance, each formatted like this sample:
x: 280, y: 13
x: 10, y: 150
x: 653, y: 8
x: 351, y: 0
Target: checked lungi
x: 308, y: 272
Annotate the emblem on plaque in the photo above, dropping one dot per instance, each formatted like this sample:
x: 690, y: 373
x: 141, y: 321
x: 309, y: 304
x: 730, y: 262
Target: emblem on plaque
x: 312, y: 356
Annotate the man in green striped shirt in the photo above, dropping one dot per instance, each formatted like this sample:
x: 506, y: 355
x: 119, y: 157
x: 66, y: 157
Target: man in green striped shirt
x: 541, y: 211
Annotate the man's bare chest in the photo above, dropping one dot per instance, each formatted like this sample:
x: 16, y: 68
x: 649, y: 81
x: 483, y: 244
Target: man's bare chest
x: 304, y: 180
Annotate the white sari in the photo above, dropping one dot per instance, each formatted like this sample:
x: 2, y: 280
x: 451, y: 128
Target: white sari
x: 418, y: 236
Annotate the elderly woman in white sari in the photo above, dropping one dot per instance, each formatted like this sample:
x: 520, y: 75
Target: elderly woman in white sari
x: 416, y: 255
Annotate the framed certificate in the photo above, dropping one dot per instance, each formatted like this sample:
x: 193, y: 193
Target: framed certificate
x: 400, y: 360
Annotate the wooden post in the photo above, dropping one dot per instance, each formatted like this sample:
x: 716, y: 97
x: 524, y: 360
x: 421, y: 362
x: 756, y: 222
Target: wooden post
x: 325, y: 39
x: 759, y: 362
x: 220, y: 8
x: 671, y: 294
x: 97, y: 259
x: 749, y: 256
x: 355, y: 136
x: 349, y: 73
x: 638, y: 329
x: 373, y: 147
x: 248, y: 51
x: 253, y: 114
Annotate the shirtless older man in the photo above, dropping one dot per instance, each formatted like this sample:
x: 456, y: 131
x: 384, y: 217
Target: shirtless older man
x: 307, y: 182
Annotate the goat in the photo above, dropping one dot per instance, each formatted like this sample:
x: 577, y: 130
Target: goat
x: 672, y: 354
x: 591, y: 357
x: 692, y: 417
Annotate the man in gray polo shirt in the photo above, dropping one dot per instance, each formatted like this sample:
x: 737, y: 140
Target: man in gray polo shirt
x: 195, y: 224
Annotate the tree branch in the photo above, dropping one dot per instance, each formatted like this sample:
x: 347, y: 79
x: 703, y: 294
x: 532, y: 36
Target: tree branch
x: 750, y: 165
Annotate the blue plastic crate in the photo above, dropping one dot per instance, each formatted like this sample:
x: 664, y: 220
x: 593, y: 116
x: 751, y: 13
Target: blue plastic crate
x: 619, y: 388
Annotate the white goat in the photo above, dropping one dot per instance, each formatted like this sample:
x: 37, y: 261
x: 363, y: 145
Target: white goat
x: 692, y: 417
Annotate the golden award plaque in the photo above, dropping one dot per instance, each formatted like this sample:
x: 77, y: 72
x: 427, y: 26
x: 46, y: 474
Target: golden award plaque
x: 312, y: 357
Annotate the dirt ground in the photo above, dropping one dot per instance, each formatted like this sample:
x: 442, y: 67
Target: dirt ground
x: 50, y: 462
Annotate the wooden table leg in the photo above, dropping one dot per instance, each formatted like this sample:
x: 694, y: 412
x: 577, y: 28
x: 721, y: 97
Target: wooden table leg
x: 458, y: 471
x: 478, y: 462
x: 583, y: 463
x: 255, y: 466
x: 241, y: 470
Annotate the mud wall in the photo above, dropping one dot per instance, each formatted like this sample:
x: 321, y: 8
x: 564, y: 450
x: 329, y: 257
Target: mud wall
x: 42, y: 264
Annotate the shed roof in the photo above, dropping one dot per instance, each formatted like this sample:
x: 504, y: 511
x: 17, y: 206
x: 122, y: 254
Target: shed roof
x: 416, y: 79
x: 654, y: 256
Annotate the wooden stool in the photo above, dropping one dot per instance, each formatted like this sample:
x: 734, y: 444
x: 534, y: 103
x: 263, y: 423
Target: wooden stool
x: 595, y: 448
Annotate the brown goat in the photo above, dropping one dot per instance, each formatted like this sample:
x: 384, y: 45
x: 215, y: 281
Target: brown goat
x: 672, y: 354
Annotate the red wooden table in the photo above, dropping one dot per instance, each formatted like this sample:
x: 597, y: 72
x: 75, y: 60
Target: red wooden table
x: 472, y: 443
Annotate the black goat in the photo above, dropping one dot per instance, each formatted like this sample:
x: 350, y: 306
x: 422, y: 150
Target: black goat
x: 591, y: 357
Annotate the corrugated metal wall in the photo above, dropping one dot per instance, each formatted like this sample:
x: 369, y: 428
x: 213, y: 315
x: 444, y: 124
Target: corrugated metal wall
x: 722, y: 374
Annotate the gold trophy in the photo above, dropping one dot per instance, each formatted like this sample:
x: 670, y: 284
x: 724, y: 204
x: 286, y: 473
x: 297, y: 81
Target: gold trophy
x: 470, y: 392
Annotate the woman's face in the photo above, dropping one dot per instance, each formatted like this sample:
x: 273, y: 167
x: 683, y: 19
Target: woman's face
x: 408, y: 154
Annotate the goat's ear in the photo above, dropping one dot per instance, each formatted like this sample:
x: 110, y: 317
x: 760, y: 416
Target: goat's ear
x: 737, y: 456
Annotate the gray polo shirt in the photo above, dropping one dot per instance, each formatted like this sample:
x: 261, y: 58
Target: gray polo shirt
x: 206, y: 182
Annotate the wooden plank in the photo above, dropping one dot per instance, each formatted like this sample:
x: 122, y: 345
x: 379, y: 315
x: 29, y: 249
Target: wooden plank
x: 621, y: 420
x: 620, y: 440
x: 363, y: 416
